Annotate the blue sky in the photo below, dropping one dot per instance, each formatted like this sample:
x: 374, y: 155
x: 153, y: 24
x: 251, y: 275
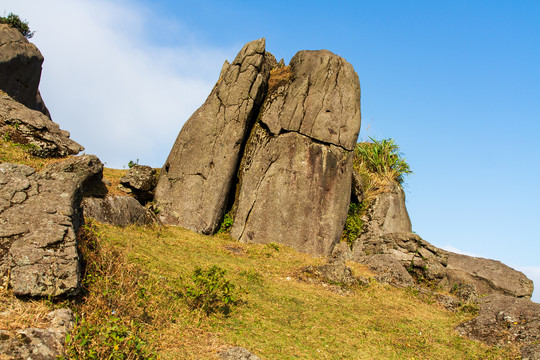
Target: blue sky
x: 455, y: 83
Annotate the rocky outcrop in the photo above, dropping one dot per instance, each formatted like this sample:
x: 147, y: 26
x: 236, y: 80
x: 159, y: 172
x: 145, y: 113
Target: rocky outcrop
x: 295, y: 176
x: 421, y: 259
x: 20, y: 69
x: 117, y: 210
x: 386, y: 213
x: 140, y: 181
x: 25, y: 126
x: 39, y: 217
x: 488, y: 276
x: 388, y: 269
x: 198, y: 177
x: 38, y: 344
x: 502, y: 319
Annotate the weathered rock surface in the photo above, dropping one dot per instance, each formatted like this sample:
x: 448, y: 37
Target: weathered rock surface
x: 199, y: 175
x: 388, y: 269
x: 140, y: 180
x: 488, y: 276
x: 25, y: 126
x: 386, y: 213
x: 337, y: 273
x: 38, y: 344
x: 295, y: 176
x: 20, y: 69
x: 39, y: 216
x: 117, y: 210
x: 419, y: 257
x: 502, y: 319
x: 237, y: 353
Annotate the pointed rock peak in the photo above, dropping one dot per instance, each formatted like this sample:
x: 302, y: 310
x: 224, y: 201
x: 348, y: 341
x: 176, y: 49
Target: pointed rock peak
x: 251, y: 48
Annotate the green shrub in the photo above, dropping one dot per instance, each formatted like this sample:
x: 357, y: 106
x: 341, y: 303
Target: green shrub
x: 227, y: 224
x: 353, y: 224
x: 110, y: 339
x: 210, y: 291
x: 382, y: 158
x: 15, y: 21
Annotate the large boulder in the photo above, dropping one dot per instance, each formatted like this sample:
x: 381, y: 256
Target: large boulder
x: 117, y: 210
x: 295, y: 176
x: 20, y: 69
x: 25, y: 126
x: 140, y: 181
x: 39, y: 216
x: 488, y: 276
x: 502, y: 319
x: 198, y: 177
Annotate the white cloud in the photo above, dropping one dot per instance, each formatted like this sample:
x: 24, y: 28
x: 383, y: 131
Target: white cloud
x: 120, y: 95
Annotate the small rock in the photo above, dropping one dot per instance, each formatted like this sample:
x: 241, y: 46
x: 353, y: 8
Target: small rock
x: 237, y: 353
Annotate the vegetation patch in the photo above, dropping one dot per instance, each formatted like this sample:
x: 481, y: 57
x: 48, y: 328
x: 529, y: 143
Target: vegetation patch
x: 379, y: 163
x: 278, y: 77
x: 15, y: 21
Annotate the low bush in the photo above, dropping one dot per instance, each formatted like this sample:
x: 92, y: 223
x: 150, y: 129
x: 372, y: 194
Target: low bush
x: 210, y: 291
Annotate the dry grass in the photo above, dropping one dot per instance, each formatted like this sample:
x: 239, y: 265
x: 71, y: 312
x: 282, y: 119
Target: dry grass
x: 279, y: 77
x: 16, y: 314
x: 284, y: 317
x: 15, y: 153
x: 113, y: 176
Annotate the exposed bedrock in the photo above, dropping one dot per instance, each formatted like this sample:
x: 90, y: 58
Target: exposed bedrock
x: 20, y: 69
x: 199, y: 174
x: 295, y: 176
x: 39, y: 216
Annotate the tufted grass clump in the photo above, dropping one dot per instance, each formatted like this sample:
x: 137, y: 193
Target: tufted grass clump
x: 379, y: 164
x: 354, y: 223
x: 15, y: 21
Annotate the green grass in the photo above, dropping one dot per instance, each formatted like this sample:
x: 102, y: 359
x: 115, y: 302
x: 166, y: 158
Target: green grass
x: 132, y: 305
x: 281, y: 317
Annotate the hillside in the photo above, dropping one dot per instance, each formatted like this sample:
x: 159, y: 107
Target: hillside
x: 135, y: 278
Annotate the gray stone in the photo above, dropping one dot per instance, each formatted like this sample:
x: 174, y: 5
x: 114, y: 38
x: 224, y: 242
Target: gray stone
x: 488, y: 276
x: 423, y: 260
x: 38, y: 344
x: 388, y: 269
x: 386, y: 213
x: 502, y: 319
x: 20, y: 69
x: 237, y: 353
x: 25, y: 126
x: 117, y: 210
x: 336, y: 273
x: 140, y: 180
x: 199, y: 175
x: 295, y: 176
x: 38, y: 231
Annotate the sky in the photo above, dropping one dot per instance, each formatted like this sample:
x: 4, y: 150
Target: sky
x: 455, y: 83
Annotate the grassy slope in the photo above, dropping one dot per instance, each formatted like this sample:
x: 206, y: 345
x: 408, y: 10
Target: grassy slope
x: 281, y: 317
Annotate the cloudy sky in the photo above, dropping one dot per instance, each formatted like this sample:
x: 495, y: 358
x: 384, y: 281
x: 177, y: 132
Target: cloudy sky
x: 456, y: 84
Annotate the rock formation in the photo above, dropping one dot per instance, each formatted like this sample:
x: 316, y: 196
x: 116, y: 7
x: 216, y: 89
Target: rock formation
x: 295, y: 176
x: 25, y: 126
x: 20, y: 69
x: 140, y: 181
x: 198, y: 177
x: 502, y: 319
x: 117, y: 210
x: 39, y: 217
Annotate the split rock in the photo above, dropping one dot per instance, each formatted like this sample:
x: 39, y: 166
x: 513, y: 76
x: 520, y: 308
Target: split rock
x: 295, y: 176
x: 199, y: 175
